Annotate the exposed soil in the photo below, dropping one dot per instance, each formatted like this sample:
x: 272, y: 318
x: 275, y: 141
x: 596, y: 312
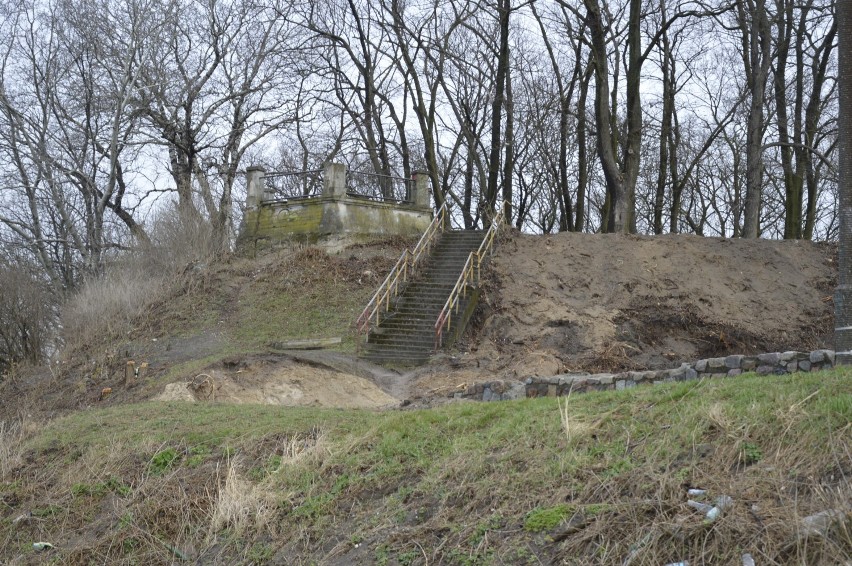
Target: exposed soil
x: 277, y: 380
x: 601, y: 302
x: 551, y: 304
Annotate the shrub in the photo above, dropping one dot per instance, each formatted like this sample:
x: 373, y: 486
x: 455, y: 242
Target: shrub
x: 116, y: 303
x: 27, y: 315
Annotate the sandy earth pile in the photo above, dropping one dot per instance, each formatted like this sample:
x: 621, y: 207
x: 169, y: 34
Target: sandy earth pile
x: 603, y: 302
x: 275, y: 380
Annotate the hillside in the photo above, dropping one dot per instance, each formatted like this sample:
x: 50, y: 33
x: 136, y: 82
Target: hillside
x: 551, y: 304
x: 599, y: 479
x: 232, y: 449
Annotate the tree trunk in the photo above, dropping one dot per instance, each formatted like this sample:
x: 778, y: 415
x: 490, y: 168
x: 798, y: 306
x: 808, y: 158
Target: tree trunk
x: 509, y: 160
x: 582, y: 154
x: 760, y: 44
x: 504, y: 10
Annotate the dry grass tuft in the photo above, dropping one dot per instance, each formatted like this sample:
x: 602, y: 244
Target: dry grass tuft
x: 119, y: 301
x: 110, y: 306
x: 11, y: 446
x: 240, y: 505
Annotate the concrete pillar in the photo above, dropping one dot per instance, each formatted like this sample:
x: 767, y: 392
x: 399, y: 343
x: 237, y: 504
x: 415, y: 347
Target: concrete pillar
x: 421, y: 189
x: 334, y: 180
x: 256, y: 186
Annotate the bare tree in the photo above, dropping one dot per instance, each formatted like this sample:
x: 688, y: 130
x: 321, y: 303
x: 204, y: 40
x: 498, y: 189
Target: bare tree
x: 216, y: 91
x: 64, y: 101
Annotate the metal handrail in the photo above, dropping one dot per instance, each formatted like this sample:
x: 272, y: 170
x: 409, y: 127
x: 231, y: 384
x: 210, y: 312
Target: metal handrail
x: 406, y: 263
x: 428, y: 238
x: 452, y: 304
x: 352, y: 190
x: 465, y: 278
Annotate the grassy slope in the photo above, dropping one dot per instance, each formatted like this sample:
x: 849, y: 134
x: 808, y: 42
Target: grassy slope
x: 238, y: 306
x: 469, y: 483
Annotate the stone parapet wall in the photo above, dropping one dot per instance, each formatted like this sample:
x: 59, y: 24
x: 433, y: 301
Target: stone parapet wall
x: 776, y: 363
x: 334, y: 218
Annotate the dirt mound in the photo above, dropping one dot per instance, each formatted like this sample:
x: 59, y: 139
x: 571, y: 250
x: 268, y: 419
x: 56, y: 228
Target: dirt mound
x: 551, y: 304
x: 609, y: 302
x: 272, y: 380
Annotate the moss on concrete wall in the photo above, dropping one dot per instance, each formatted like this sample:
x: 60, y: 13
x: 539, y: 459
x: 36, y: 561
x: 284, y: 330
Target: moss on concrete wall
x: 338, y: 221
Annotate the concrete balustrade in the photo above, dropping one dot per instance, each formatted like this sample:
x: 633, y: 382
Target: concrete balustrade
x: 333, y: 219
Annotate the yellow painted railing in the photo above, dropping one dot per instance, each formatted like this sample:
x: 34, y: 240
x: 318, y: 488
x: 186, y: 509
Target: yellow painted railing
x: 469, y: 278
x: 405, y: 266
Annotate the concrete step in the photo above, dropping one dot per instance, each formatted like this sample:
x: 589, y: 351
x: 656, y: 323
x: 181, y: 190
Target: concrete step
x: 400, y: 349
x: 406, y: 335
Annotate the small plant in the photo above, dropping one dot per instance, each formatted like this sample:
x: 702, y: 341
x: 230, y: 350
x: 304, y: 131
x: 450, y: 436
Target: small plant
x: 49, y: 511
x: 750, y: 453
x: 260, y: 553
x: 116, y: 486
x: 382, y: 555
x: 130, y: 545
x: 112, y: 484
x: 273, y: 464
x: 162, y: 461
x: 125, y: 520
x: 84, y: 489
x: 482, y: 529
x: 546, y: 518
x: 197, y: 456
x: 407, y: 558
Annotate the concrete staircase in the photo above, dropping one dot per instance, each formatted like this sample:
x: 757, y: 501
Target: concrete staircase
x: 406, y: 336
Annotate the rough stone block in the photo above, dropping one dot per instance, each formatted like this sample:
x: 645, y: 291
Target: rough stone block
x: 787, y: 356
x: 765, y: 369
x: 716, y: 363
x: 734, y: 372
x: 717, y: 375
x: 734, y: 362
x: 676, y: 374
x: 805, y: 365
x: 701, y: 366
x: 690, y: 374
x: 552, y: 390
x: 516, y: 391
x: 770, y: 359
x: 792, y: 367
x: 625, y: 384
x: 829, y: 354
x: 748, y: 363
x: 605, y: 378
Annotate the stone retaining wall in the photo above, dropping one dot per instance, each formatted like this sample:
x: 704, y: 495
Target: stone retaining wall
x: 776, y: 363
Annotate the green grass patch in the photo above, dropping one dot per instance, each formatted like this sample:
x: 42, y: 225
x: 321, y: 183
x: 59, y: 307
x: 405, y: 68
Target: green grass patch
x: 163, y: 461
x: 478, y: 473
x: 546, y: 518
